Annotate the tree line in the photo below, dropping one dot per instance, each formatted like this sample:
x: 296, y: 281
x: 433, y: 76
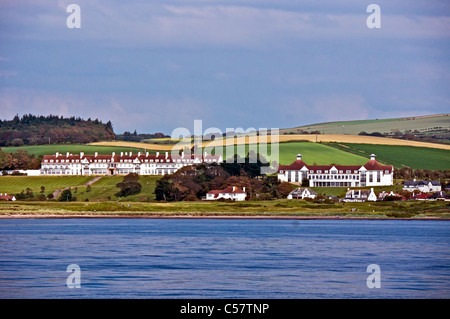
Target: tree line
x: 20, y: 159
x: 194, y: 182
x: 52, y: 129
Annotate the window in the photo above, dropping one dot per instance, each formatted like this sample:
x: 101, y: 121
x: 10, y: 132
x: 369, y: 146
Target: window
x: 378, y: 176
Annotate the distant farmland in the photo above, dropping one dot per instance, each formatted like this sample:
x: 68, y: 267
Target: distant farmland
x: 377, y: 125
x: 15, y: 184
x: 71, y: 148
x: 401, y: 156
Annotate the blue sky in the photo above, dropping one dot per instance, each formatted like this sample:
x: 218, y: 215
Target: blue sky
x: 157, y: 65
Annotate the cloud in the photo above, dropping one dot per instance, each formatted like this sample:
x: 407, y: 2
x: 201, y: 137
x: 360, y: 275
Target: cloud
x: 323, y: 109
x: 205, y: 23
x: 125, y: 112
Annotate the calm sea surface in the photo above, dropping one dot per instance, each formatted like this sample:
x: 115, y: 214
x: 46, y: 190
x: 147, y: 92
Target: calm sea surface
x: 209, y: 258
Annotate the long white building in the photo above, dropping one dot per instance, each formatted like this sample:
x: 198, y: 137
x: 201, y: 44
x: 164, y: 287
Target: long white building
x: 370, y: 174
x: 125, y: 163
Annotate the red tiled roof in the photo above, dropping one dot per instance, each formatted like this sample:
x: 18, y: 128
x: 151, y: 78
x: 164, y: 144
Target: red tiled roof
x: 295, y: 166
x: 118, y: 157
x: 371, y: 165
x: 228, y: 190
x: 6, y: 197
x: 422, y: 196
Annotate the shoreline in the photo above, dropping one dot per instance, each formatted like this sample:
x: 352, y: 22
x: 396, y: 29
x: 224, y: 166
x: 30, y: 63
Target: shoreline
x: 206, y: 216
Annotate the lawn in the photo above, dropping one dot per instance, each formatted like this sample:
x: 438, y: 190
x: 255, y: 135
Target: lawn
x: 287, y: 208
x: 72, y: 148
x: 401, y: 156
x: 105, y: 189
x: 312, y: 153
x: 15, y: 184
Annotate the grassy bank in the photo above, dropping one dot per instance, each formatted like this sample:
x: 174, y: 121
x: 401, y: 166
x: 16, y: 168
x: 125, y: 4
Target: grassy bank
x: 275, y: 208
x: 401, y: 156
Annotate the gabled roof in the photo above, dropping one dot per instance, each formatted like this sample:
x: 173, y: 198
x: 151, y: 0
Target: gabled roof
x: 6, y: 197
x: 295, y: 166
x: 371, y: 165
x: 228, y: 190
x: 421, y: 183
x: 300, y: 191
x: 117, y: 157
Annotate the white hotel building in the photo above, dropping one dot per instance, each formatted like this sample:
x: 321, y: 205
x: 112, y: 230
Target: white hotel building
x: 370, y: 174
x: 125, y: 163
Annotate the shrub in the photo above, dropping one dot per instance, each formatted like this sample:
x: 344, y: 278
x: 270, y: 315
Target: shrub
x: 66, y: 196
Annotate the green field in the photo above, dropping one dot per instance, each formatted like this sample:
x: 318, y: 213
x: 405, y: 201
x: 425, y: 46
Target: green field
x: 401, y: 156
x: 15, y: 184
x: 377, y: 125
x: 101, y: 190
x: 281, y: 207
x: 71, y: 148
x: 312, y: 153
x: 105, y: 189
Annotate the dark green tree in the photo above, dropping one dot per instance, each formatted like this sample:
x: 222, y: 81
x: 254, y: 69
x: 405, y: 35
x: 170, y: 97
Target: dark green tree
x: 65, y: 196
x: 129, y: 185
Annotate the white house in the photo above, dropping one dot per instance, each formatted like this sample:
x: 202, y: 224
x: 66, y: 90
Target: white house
x: 125, y: 163
x: 7, y: 197
x: 232, y: 192
x: 422, y: 186
x: 302, y: 193
x: 360, y: 195
x: 383, y: 195
x: 370, y: 174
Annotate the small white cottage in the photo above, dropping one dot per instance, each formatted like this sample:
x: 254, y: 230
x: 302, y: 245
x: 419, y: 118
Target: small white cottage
x: 232, y: 192
x: 302, y: 193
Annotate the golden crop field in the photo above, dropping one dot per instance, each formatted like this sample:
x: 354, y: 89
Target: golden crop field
x: 338, y: 138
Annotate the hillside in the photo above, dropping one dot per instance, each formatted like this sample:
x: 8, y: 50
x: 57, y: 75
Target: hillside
x: 52, y: 129
x: 39, y: 150
x: 421, y: 127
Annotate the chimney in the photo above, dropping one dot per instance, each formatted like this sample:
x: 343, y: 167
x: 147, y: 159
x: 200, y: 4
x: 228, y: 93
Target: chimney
x: 157, y: 154
x: 243, y: 188
x: 146, y: 154
x: 126, y: 153
x: 81, y: 155
x: 131, y: 153
x: 57, y: 154
x: 234, y: 188
x: 182, y: 154
x: 372, y: 157
x: 67, y: 154
x: 299, y: 157
x: 96, y: 153
x: 113, y: 154
x: 139, y: 153
x: 206, y: 153
x: 121, y: 153
x: 167, y: 155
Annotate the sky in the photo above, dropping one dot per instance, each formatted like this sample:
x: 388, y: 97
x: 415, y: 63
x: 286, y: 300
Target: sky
x: 153, y: 66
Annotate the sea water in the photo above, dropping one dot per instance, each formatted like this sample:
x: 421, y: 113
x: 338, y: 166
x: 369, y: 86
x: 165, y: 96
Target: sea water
x: 223, y: 258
